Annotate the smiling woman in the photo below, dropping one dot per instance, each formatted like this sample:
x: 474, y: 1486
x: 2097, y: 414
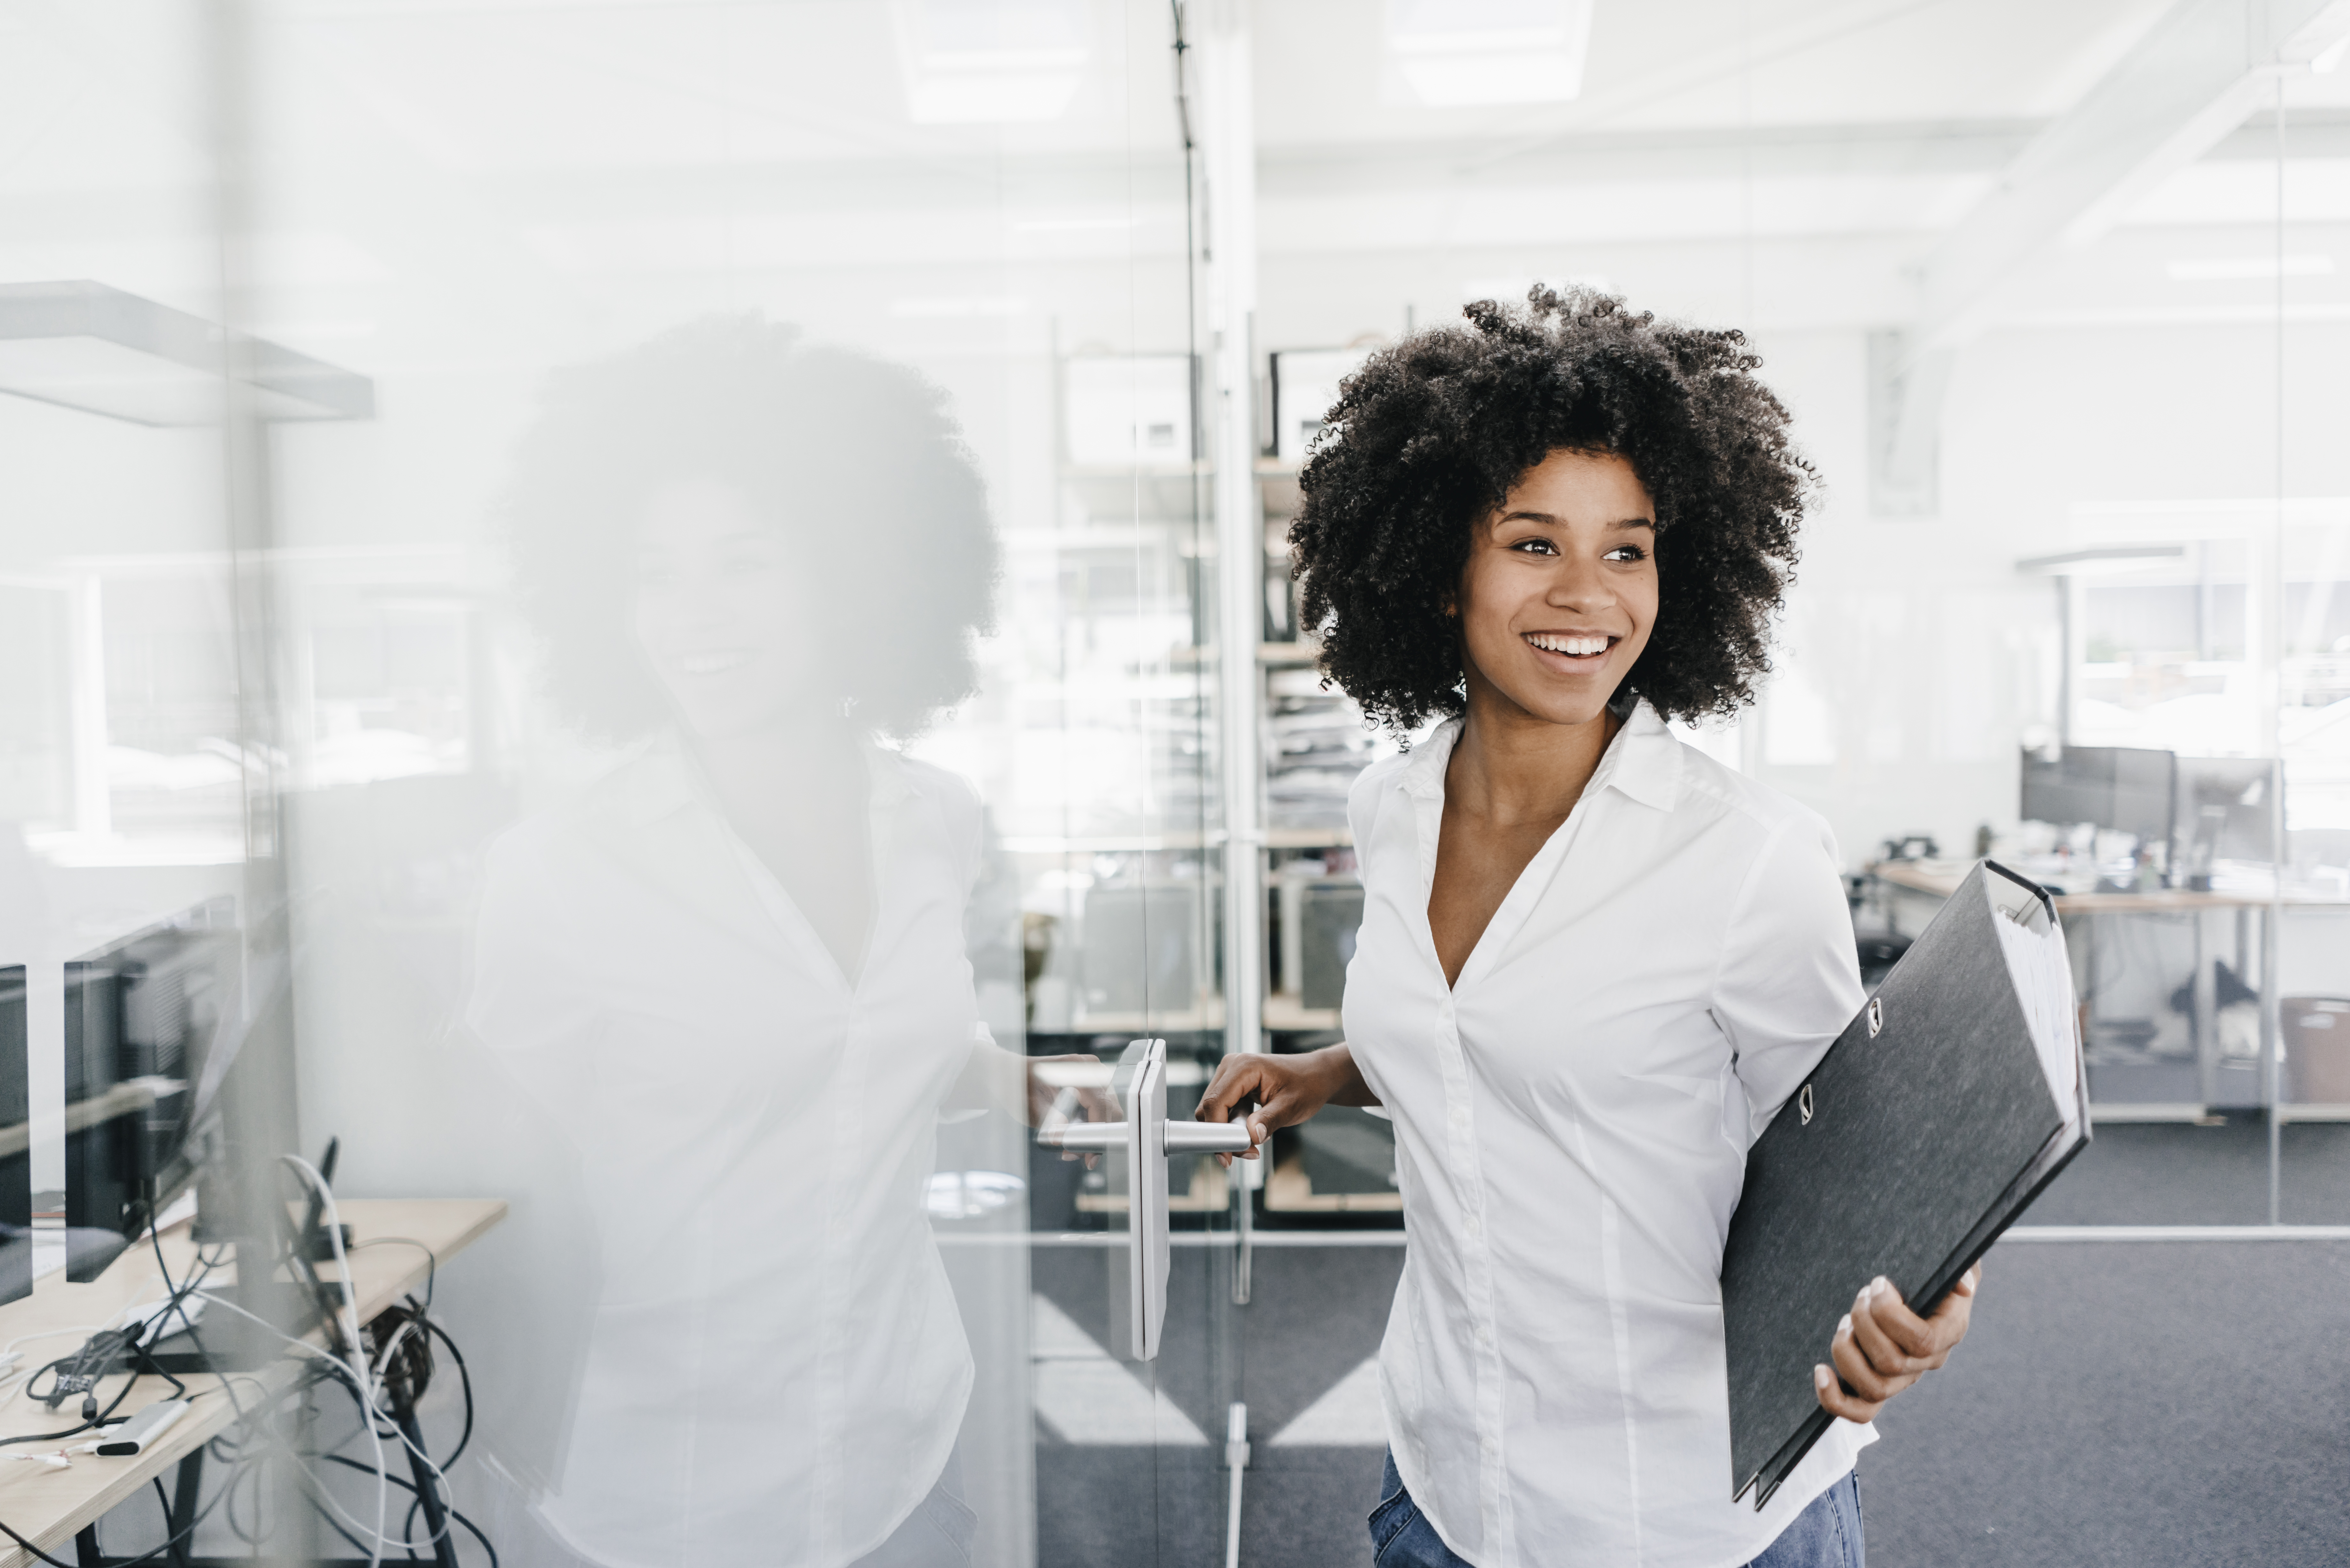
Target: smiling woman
x: 1431, y: 435
x: 1593, y: 962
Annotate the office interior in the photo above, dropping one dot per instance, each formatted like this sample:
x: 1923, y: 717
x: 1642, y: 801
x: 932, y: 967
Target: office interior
x: 349, y: 344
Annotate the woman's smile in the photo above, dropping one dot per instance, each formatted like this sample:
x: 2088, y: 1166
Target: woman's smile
x: 1575, y: 652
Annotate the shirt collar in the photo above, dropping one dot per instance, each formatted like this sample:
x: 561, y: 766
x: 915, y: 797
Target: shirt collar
x: 1643, y: 762
x: 666, y: 778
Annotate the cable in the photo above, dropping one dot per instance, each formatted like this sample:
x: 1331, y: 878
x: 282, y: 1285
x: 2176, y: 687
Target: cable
x: 171, y: 1543
x: 403, y: 1360
x: 464, y: 1380
x: 350, y: 1325
x: 417, y: 1503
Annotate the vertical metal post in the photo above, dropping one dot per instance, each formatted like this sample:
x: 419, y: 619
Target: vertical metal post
x: 2072, y: 635
x: 1236, y: 1459
x: 2271, y: 1069
x: 93, y: 803
x: 1220, y: 57
x: 2272, y: 689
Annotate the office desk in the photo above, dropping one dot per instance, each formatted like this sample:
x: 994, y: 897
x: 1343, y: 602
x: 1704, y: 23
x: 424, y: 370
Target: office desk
x: 1940, y: 878
x: 49, y: 1506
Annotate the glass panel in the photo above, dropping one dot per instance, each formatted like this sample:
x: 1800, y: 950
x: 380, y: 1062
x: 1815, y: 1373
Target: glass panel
x: 2311, y: 979
x: 144, y: 958
x: 703, y: 543
x: 749, y: 710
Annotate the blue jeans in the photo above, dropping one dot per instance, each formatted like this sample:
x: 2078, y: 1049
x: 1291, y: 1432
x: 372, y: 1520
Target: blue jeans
x: 1824, y: 1535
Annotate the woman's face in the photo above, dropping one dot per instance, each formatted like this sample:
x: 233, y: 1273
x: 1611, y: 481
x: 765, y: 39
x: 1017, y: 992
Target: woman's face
x: 720, y: 612
x: 1560, y: 592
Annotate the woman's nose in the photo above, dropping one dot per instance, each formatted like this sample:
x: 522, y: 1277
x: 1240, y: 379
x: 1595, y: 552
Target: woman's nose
x: 1578, y: 585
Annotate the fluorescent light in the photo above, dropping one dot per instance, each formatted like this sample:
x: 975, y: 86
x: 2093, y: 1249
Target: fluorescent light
x: 86, y: 346
x: 2215, y: 269
x: 2098, y: 561
x: 991, y: 62
x: 1073, y: 226
x: 960, y: 305
x: 1460, y: 52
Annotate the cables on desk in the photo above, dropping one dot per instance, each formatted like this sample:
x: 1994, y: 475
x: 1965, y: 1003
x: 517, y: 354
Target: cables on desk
x: 401, y: 1365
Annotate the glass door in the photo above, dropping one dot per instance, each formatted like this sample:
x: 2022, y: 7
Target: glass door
x: 749, y: 693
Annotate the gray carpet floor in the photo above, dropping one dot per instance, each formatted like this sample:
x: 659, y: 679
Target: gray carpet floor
x: 2161, y: 1405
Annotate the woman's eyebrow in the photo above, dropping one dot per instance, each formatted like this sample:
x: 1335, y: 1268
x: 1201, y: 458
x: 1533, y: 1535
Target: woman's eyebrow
x: 1552, y: 520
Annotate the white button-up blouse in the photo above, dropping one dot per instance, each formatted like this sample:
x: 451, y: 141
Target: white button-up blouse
x: 1571, y: 1120
x: 775, y: 1369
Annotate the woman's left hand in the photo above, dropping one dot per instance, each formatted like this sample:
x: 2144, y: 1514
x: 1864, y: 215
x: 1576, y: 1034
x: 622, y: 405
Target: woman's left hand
x: 1881, y: 1347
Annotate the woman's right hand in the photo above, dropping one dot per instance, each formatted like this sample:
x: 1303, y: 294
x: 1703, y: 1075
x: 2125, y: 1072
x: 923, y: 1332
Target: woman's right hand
x: 1286, y: 1090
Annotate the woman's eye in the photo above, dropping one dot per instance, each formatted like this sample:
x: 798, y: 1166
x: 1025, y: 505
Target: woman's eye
x: 1625, y: 553
x: 1536, y: 546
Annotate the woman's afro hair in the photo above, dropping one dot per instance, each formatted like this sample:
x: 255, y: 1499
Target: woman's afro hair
x: 845, y: 456
x: 1430, y: 435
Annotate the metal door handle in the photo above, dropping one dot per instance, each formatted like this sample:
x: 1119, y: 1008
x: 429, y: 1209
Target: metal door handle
x: 1148, y: 1138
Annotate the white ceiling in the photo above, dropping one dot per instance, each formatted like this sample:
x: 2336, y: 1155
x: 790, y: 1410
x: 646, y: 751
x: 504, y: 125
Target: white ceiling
x: 458, y: 163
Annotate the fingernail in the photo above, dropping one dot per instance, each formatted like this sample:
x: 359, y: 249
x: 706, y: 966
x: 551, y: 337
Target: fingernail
x: 1819, y: 1377
x: 1844, y: 1325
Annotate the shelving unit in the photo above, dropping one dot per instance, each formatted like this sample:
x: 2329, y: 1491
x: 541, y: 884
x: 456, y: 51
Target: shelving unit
x: 1309, y: 745
x: 1314, y: 744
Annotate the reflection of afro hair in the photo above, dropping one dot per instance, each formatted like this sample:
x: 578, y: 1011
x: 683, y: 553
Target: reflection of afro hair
x: 854, y: 461
x: 1429, y: 436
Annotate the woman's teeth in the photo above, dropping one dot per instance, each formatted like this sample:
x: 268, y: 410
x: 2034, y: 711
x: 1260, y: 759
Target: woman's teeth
x: 712, y: 663
x: 1574, y: 647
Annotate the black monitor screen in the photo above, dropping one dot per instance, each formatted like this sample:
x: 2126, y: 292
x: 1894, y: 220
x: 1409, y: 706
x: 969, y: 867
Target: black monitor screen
x: 2142, y: 782
x: 139, y: 1016
x: 2124, y: 788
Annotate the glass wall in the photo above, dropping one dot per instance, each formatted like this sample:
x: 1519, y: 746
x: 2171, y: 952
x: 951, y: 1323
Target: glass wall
x: 664, y: 555
x: 680, y: 615
x: 2072, y: 388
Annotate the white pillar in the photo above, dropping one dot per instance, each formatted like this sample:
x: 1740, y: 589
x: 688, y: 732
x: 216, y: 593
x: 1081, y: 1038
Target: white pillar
x: 1220, y: 90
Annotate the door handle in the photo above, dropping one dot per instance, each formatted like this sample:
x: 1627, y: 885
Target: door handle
x: 1148, y: 1138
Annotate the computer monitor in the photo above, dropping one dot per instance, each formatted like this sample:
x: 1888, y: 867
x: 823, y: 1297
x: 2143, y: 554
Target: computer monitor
x: 2224, y: 810
x: 141, y: 1017
x: 2127, y: 789
x: 16, y: 1141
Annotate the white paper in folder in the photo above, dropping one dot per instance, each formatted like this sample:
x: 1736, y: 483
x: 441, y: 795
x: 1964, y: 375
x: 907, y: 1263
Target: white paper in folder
x: 2033, y: 943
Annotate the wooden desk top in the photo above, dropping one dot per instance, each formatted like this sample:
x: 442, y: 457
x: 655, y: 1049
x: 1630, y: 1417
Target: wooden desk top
x: 48, y: 1505
x: 1941, y: 879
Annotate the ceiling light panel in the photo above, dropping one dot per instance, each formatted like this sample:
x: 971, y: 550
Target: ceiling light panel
x: 1451, y: 54
x: 991, y: 62
x: 2225, y: 269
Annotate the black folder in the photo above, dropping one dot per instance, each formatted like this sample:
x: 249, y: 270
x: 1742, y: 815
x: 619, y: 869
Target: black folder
x: 1947, y: 1102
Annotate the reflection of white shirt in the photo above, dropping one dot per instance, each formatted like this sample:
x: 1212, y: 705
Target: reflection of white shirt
x: 775, y: 1371
x: 1572, y: 1121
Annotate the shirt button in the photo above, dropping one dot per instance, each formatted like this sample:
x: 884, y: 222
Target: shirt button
x: 1485, y: 1335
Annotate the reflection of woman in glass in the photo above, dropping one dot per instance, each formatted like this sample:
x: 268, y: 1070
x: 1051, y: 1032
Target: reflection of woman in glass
x: 735, y: 969
x: 1592, y: 962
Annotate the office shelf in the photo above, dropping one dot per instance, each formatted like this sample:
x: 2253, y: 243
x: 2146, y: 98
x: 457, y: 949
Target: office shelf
x: 1287, y: 1191
x: 1284, y: 1011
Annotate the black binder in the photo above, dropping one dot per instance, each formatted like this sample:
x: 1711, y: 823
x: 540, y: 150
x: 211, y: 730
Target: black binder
x: 1947, y: 1102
